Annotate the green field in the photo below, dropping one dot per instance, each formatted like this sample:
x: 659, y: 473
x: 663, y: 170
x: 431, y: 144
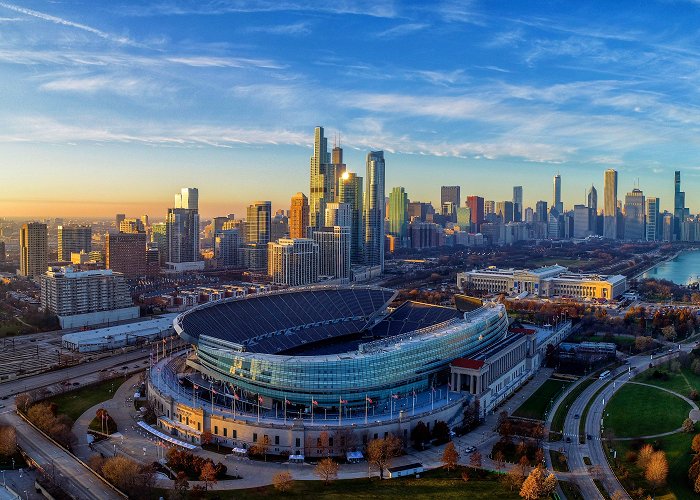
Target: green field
x: 432, y: 484
x: 677, y: 448
x: 571, y: 490
x: 637, y: 410
x: 74, y: 403
x: 538, y: 403
x: 682, y: 382
x: 560, y: 415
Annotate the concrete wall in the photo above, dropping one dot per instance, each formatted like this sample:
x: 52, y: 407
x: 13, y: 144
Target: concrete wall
x: 98, y: 317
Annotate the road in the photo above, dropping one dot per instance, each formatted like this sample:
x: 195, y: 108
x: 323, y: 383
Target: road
x: 73, y: 477
x: 593, y: 448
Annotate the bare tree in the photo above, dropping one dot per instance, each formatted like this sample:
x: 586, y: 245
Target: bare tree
x: 380, y: 452
x: 327, y: 470
x: 8, y: 441
x: 500, y: 460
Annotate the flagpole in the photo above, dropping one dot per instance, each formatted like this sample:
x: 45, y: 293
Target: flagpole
x: 340, y: 411
x: 312, y: 410
x: 285, y: 409
x: 366, y: 408
x: 258, y: 407
x: 212, y: 398
x: 413, y: 412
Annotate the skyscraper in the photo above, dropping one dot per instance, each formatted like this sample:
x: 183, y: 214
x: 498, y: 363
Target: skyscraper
x: 159, y: 236
x: 333, y: 251
x: 450, y: 194
x: 634, y: 215
x: 298, y: 216
x: 541, y: 212
x: 187, y: 198
x: 557, y: 194
x: 679, y: 210
x: 398, y: 211
x: 476, y: 206
x: 350, y: 192
x: 504, y: 209
x: 182, y: 234
x: 33, y: 249
x: 610, y: 204
x: 593, y: 199
x: 73, y: 239
x: 374, y: 210
x: 338, y: 168
x: 322, y: 179
x: 338, y: 214
x: 258, y: 217
x: 653, y: 220
x: 517, y: 203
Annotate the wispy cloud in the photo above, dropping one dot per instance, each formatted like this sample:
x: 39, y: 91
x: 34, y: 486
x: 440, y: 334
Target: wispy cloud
x: 65, y: 22
x: 301, y: 28
x: 402, y: 30
x: 121, y: 85
x: 224, y: 62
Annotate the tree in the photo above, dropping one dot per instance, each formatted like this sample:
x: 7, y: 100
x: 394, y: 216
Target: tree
x: 695, y: 445
x: 515, y: 476
x: 656, y: 470
x: 260, y: 448
x: 327, y: 470
x: 688, y: 426
x: 206, y: 438
x: 450, y: 456
x: 538, y: 484
x: 208, y: 475
x: 644, y: 456
x: 618, y: 495
x: 180, y: 486
x: 282, y: 481
x: 420, y: 434
x: 23, y: 401
x: 121, y: 472
x: 669, y: 332
x: 441, y: 432
x: 8, y: 441
x: 643, y: 343
x: 380, y: 452
x: 539, y: 456
x: 500, y: 460
x: 475, y: 460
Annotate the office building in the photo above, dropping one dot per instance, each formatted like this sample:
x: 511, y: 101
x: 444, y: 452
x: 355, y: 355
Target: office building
x: 634, y: 216
x: 338, y: 168
x: 667, y: 226
x: 558, y: 204
x: 398, y: 211
x: 159, y: 237
x: 464, y: 217
x: 374, y: 210
x: 476, y: 206
x: 322, y: 179
x: 489, y: 207
x: 505, y: 211
x: 85, y: 298
x: 182, y: 233
x: 425, y: 235
x: 118, y: 220
x: 610, y: 204
x: 338, y: 214
x: 258, y: 216
x: 34, y: 249
x: 582, y: 221
x: 350, y: 192
x: 293, y: 262
x: 593, y: 199
x: 298, y: 216
x: 132, y: 226
x: 126, y: 253
x: 333, y: 252
x: 227, y: 246
x: 680, y: 213
x: 517, y: 203
x: 541, y: 212
x: 653, y: 220
x: 450, y: 194
x: 3, y: 252
x: 144, y: 221
x: 73, y: 239
x: 551, y: 281
x: 529, y: 215
x: 187, y: 198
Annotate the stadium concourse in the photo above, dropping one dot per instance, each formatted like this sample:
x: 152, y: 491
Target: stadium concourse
x: 323, y: 370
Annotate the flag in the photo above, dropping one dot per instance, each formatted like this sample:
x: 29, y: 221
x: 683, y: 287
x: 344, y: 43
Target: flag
x: 314, y: 402
x: 236, y: 396
x: 414, y: 393
x: 395, y: 396
x: 195, y: 387
x: 213, y: 390
x: 343, y: 401
x: 260, y: 399
x: 368, y: 399
x: 287, y: 402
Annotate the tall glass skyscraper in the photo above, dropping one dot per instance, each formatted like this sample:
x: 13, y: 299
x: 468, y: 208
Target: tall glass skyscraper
x: 557, y: 194
x: 593, y: 199
x: 374, y: 210
x: 398, y: 212
x: 323, y: 179
x: 653, y: 227
x: 182, y: 227
x: 679, y: 210
x: 350, y: 192
x: 610, y: 204
x: 634, y: 216
x: 517, y: 203
x: 258, y: 217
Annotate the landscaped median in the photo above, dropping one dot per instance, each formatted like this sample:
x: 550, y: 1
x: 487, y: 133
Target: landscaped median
x: 556, y: 428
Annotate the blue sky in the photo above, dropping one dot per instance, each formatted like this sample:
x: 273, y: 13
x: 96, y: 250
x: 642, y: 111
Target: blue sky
x: 113, y: 106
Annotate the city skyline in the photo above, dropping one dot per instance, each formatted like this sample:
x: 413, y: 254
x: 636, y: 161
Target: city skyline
x: 129, y: 96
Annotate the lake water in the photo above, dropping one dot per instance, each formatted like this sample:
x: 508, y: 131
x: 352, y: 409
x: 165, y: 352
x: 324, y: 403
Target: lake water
x: 683, y: 269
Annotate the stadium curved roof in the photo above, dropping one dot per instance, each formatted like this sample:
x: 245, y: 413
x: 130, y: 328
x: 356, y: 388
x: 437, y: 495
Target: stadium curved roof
x: 277, y: 321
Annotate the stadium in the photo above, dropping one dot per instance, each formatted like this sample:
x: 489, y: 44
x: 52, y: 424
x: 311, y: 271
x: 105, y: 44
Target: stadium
x: 336, y: 357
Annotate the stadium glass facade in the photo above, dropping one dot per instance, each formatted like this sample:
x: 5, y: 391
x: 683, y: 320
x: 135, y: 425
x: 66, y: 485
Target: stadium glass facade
x: 379, y: 370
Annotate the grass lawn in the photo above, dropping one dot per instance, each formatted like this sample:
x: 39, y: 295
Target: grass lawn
x: 677, y: 448
x: 538, y: 403
x: 560, y: 415
x: 74, y: 403
x: 432, y: 484
x: 637, y: 410
x: 571, y: 490
x: 682, y: 382
x: 559, y: 462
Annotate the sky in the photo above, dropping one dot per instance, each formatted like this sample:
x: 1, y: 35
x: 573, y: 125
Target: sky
x: 113, y: 106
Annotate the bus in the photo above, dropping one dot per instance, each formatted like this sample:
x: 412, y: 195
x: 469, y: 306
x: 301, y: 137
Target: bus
x: 604, y: 375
